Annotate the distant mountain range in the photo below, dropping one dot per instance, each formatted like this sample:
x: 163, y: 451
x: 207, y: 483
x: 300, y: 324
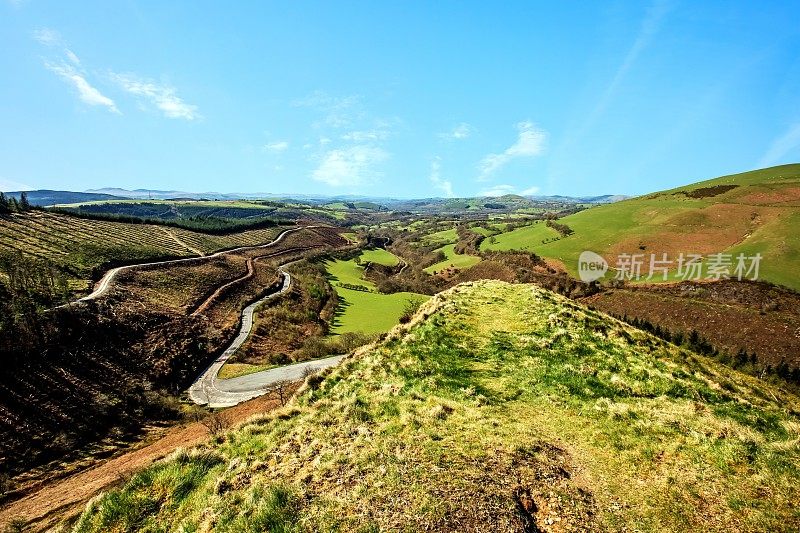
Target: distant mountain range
x: 45, y: 197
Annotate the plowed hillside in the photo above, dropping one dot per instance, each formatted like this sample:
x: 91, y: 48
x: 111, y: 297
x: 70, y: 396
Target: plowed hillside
x: 85, y: 248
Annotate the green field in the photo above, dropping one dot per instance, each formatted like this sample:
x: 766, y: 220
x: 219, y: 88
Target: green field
x: 441, y: 237
x: 380, y: 256
x: 461, y: 261
x: 350, y: 236
x: 759, y: 215
x: 505, y: 393
x: 370, y: 312
x: 347, y: 272
x: 520, y: 239
x: 366, y: 312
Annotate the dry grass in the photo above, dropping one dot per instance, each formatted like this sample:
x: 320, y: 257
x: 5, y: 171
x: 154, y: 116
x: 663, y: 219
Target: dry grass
x: 499, y: 407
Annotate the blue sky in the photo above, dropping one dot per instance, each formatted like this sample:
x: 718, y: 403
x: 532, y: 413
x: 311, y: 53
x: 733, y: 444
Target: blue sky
x: 404, y: 99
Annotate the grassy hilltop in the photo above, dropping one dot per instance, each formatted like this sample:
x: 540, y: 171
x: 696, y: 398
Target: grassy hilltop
x: 500, y: 406
x: 751, y: 212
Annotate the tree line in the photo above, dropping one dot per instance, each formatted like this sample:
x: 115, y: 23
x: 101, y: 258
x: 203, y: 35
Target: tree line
x: 9, y: 204
x: 741, y: 360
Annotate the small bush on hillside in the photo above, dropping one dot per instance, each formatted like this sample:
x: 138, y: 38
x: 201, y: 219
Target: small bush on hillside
x: 410, y: 310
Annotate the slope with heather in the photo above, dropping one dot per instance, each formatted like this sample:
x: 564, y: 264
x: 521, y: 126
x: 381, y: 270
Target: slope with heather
x: 502, y: 407
x: 753, y: 212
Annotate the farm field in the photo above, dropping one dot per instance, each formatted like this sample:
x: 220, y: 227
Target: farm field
x: 370, y: 312
x: 348, y: 273
x: 460, y: 261
x: 380, y: 256
x: 483, y: 390
x: 752, y: 212
x: 441, y: 237
x: 364, y: 311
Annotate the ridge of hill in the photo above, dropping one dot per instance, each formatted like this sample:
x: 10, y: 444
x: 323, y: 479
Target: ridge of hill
x: 499, y: 406
x: 752, y: 212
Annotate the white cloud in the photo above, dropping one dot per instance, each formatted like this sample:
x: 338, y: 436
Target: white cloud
x: 339, y: 112
x: 86, y: 91
x: 530, y: 191
x: 350, y: 166
x: 366, y: 136
x: 498, y: 190
x: 781, y: 146
x: 162, y: 96
x: 277, y: 147
x: 530, y: 143
x: 48, y: 37
x: 461, y: 131
x: 446, y: 186
x: 7, y: 185
x: 72, y: 57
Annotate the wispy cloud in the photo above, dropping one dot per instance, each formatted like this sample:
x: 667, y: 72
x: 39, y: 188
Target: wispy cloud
x: 48, y: 37
x: 339, y: 112
x: 70, y: 70
x: 163, y: 97
x: 530, y: 143
x: 367, y: 135
x: 277, y: 146
x: 72, y: 57
x: 461, y: 131
x: 446, y: 186
x: 7, y: 185
x: 351, y: 166
x: 647, y: 32
x: 498, y: 190
x: 781, y: 146
x: 86, y: 91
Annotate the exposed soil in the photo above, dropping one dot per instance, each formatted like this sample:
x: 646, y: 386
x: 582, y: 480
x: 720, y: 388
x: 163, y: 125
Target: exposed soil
x: 732, y: 315
x: 102, y: 371
x: 44, y: 503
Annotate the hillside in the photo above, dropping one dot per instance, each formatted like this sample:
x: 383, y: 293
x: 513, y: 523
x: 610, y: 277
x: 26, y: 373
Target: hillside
x: 753, y: 212
x: 44, y: 197
x: 86, y: 248
x: 501, y: 407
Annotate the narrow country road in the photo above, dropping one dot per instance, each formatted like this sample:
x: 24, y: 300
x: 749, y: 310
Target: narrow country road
x: 209, y: 390
x: 104, y: 284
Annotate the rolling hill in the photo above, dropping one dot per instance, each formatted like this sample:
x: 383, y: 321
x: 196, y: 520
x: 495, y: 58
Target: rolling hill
x: 499, y: 406
x: 43, y: 197
x: 753, y: 212
x: 85, y: 248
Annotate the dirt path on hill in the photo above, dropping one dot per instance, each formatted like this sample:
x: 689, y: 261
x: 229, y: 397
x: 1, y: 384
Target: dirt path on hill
x: 177, y: 239
x: 105, y: 282
x: 248, y: 274
x: 46, y: 504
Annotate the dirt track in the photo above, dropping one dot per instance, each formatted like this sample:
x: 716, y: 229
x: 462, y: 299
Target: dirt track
x: 44, y: 505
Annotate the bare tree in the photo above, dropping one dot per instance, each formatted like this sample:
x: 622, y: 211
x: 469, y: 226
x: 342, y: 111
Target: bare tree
x: 282, y: 391
x: 215, y: 423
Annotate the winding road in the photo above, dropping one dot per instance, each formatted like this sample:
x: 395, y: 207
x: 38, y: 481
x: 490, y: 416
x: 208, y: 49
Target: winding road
x: 104, y: 284
x: 209, y: 390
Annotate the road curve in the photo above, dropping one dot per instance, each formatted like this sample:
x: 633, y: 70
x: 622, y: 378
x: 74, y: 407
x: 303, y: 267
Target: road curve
x: 104, y: 284
x: 209, y: 390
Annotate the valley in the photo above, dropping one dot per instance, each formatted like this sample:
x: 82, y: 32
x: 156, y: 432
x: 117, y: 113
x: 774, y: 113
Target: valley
x: 459, y: 337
